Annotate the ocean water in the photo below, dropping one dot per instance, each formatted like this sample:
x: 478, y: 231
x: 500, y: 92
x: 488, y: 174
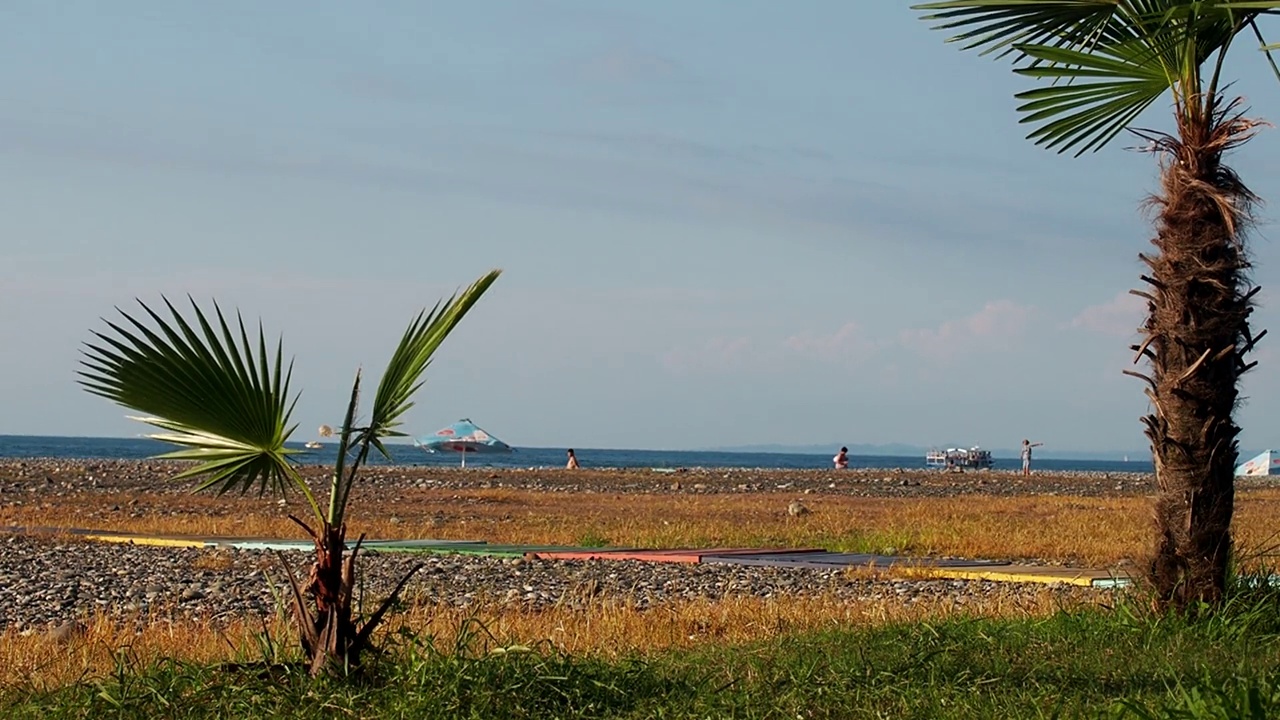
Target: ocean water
x: 30, y: 446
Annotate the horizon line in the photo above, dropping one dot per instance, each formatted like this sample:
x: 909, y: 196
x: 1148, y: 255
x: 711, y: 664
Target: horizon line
x: 747, y: 448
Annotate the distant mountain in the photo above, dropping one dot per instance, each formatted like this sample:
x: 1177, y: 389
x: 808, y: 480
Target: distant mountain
x: 906, y: 450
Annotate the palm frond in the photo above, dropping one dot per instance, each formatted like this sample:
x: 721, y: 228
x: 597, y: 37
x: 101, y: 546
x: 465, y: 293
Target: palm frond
x: 1264, y: 7
x: 341, y: 482
x: 1106, y: 60
x: 204, y: 385
x: 1088, y: 114
x: 999, y: 26
x: 1263, y: 45
x: 403, y: 375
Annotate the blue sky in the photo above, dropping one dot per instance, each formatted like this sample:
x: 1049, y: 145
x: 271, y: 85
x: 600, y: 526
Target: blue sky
x: 721, y: 223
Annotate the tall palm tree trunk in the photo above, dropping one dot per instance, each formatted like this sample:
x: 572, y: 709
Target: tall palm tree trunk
x: 1197, y: 334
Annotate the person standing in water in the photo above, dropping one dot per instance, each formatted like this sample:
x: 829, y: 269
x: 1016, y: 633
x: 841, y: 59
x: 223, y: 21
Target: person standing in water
x: 841, y: 459
x: 573, y: 461
x: 1026, y: 455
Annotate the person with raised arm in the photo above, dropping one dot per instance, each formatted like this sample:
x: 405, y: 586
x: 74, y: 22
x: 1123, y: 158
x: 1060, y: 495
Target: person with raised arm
x: 1026, y: 455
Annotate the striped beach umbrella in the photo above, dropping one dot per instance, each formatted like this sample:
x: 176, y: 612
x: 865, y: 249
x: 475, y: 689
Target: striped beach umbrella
x: 462, y: 437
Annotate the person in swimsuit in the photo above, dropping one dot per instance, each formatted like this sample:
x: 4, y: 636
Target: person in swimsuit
x: 573, y: 461
x: 841, y: 459
x: 1026, y: 455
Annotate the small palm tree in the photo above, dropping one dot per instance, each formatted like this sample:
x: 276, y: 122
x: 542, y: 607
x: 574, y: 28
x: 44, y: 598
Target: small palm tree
x: 1107, y: 61
x: 229, y: 406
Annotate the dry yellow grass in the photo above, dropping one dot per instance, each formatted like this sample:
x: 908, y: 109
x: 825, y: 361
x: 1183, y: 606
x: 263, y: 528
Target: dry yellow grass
x: 1089, y: 531
x: 608, y: 628
x: 42, y: 662
x: 1097, y: 531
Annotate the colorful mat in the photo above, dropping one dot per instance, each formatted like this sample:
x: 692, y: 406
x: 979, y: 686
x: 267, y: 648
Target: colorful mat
x: 812, y: 558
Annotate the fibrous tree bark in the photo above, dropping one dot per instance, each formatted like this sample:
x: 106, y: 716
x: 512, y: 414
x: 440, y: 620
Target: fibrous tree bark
x: 1199, y: 299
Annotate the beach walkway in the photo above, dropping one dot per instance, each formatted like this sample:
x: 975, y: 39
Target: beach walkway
x: 813, y: 558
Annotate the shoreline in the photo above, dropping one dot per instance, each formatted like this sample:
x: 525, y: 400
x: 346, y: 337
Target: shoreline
x: 102, y: 449
x: 63, y: 476
x: 473, y: 469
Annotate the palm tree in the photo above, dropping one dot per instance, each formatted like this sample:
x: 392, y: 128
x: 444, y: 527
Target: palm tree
x: 229, y: 407
x: 1107, y: 61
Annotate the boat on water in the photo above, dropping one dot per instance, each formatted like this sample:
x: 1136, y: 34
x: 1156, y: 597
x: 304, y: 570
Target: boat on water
x: 313, y: 445
x: 974, y: 458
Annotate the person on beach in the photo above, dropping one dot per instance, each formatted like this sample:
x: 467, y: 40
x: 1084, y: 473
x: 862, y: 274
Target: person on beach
x: 1026, y: 455
x: 573, y: 461
x: 841, y: 459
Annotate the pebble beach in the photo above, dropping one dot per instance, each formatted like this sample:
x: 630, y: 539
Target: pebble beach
x: 41, y: 478
x: 51, y: 581
x: 47, y: 584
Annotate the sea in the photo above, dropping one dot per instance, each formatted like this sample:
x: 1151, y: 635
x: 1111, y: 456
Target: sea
x: 86, y: 448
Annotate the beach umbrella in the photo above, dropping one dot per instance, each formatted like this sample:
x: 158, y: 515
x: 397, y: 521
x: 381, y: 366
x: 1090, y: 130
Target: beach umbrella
x: 462, y: 437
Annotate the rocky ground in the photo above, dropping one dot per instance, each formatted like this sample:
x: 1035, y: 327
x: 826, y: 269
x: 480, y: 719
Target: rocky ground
x: 47, y: 583
x: 62, y: 477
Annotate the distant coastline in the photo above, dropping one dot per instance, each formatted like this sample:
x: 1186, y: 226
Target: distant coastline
x: 888, y: 450
x: 17, y: 447
x: 905, y: 450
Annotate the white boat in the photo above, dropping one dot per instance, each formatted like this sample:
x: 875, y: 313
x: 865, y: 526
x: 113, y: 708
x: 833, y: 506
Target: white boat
x: 974, y: 458
x: 313, y: 445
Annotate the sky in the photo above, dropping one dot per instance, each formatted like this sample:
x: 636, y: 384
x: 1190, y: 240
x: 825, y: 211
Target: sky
x: 720, y: 223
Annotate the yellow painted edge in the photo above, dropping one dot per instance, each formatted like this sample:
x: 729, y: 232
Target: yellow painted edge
x: 139, y: 540
x: 1010, y: 576
x: 951, y: 573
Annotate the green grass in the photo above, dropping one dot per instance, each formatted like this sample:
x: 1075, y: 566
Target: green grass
x: 874, y: 543
x: 1098, y: 663
x: 592, y: 539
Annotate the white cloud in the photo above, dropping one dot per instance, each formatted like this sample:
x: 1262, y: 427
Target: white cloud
x: 850, y: 341
x: 1119, y: 317
x: 995, y: 326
